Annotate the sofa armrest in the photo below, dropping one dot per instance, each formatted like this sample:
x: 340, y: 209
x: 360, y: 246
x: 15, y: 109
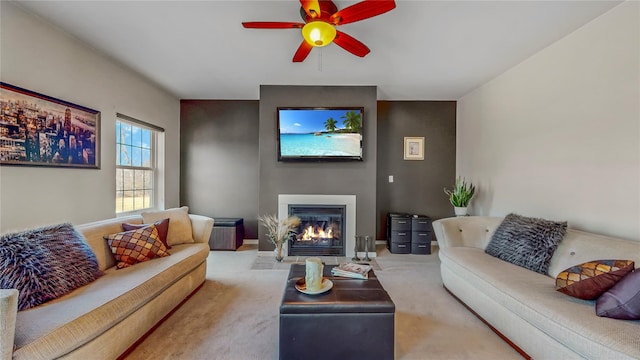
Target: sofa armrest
x: 8, y: 313
x: 201, y: 227
x: 469, y: 231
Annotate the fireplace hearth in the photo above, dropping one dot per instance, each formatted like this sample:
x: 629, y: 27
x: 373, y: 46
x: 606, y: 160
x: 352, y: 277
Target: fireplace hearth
x: 321, y: 230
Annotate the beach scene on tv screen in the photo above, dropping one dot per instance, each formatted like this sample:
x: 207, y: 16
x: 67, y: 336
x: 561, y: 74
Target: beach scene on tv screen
x: 320, y: 132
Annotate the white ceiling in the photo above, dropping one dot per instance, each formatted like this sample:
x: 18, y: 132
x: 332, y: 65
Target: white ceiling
x: 421, y: 50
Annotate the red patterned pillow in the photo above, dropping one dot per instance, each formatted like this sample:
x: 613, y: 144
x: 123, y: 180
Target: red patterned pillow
x: 134, y: 246
x: 161, y: 225
x: 591, y: 279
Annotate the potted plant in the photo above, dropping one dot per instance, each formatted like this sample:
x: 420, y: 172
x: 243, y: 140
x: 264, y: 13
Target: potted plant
x: 460, y: 196
x: 279, y: 231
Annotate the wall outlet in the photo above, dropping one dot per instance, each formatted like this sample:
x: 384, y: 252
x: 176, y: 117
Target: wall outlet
x: 390, y: 178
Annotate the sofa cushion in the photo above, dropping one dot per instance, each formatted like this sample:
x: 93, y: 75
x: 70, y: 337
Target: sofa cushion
x: 82, y: 315
x: 180, y: 231
x: 45, y: 263
x: 622, y: 301
x: 527, y: 242
x: 589, y: 280
x: 134, y: 246
x: 161, y: 225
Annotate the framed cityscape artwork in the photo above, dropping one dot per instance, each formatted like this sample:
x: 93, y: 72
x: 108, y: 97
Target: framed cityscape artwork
x: 39, y: 130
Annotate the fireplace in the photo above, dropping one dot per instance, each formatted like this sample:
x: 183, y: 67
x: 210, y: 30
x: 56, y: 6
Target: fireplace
x: 348, y: 222
x: 321, y: 230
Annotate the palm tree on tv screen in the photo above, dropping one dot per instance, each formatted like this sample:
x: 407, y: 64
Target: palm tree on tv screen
x: 330, y: 124
x: 352, y: 121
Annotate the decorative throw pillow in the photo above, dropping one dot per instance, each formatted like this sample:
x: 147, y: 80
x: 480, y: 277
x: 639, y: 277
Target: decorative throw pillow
x: 622, y: 301
x: 161, y: 225
x: 46, y: 263
x: 527, y: 242
x: 179, y: 225
x: 589, y: 280
x: 134, y: 246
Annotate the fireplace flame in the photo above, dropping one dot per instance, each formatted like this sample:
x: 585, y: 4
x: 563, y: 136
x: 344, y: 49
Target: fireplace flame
x: 318, y: 233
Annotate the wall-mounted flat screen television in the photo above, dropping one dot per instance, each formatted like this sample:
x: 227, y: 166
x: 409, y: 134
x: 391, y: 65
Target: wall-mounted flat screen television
x: 320, y: 134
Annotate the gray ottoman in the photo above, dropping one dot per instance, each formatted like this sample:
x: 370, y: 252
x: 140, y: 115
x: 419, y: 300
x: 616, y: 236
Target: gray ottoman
x: 227, y: 234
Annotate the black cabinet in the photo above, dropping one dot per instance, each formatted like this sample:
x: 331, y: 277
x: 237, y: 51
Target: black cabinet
x: 420, y: 249
x: 408, y: 234
x: 420, y: 234
x: 399, y: 233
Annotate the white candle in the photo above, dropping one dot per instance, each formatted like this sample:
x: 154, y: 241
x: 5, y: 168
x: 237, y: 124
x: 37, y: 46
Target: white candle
x: 313, y: 278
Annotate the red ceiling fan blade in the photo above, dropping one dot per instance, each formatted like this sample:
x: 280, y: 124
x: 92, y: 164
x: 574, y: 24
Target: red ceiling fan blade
x: 271, y: 25
x: 311, y: 7
x: 303, y: 50
x: 351, y: 44
x: 362, y: 10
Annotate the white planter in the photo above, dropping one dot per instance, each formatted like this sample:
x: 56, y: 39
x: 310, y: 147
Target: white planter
x: 460, y: 211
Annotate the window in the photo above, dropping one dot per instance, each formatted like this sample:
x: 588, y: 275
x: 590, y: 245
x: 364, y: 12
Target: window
x: 136, y: 164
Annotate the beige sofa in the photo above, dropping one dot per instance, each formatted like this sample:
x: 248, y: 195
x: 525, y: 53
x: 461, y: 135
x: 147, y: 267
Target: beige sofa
x: 522, y: 305
x: 105, y: 318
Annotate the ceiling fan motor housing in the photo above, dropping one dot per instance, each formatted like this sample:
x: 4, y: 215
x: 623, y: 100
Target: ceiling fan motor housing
x: 327, y: 8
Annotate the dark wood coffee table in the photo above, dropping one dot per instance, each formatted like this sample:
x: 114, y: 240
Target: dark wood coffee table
x: 353, y: 320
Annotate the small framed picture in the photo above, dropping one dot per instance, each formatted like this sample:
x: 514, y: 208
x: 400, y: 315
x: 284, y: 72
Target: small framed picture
x: 413, y: 148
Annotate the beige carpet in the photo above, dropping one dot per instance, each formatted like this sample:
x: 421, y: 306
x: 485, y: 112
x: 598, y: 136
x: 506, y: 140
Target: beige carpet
x: 235, y: 314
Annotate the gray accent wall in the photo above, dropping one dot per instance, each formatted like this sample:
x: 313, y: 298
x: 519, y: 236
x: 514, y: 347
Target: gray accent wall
x: 332, y: 178
x: 230, y: 168
x: 219, y: 154
x: 417, y: 186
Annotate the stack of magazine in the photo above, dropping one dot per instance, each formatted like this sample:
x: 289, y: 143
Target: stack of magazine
x: 352, y: 270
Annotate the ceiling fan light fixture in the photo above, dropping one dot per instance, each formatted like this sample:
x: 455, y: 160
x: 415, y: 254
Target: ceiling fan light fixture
x: 318, y: 33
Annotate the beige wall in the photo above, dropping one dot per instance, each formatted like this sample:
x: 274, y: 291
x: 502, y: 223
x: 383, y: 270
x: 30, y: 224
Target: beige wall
x: 41, y: 58
x: 558, y: 135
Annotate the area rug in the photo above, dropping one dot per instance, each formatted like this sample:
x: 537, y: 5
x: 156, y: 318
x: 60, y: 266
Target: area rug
x: 235, y: 315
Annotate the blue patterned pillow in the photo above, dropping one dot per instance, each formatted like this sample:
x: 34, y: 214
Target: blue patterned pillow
x: 527, y: 242
x: 45, y: 263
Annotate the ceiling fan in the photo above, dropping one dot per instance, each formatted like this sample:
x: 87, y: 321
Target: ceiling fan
x: 320, y: 19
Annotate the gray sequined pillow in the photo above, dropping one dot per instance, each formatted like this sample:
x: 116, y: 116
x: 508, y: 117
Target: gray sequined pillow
x: 527, y: 242
x: 45, y: 263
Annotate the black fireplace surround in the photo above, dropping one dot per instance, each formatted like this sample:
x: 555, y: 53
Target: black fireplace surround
x: 321, y: 230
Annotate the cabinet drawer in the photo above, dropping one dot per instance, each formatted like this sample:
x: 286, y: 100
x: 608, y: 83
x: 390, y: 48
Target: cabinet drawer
x: 421, y: 224
x: 400, y: 248
x: 400, y: 236
x: 421, y: 237
x: 421, y: 249
x: 401, y: 224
